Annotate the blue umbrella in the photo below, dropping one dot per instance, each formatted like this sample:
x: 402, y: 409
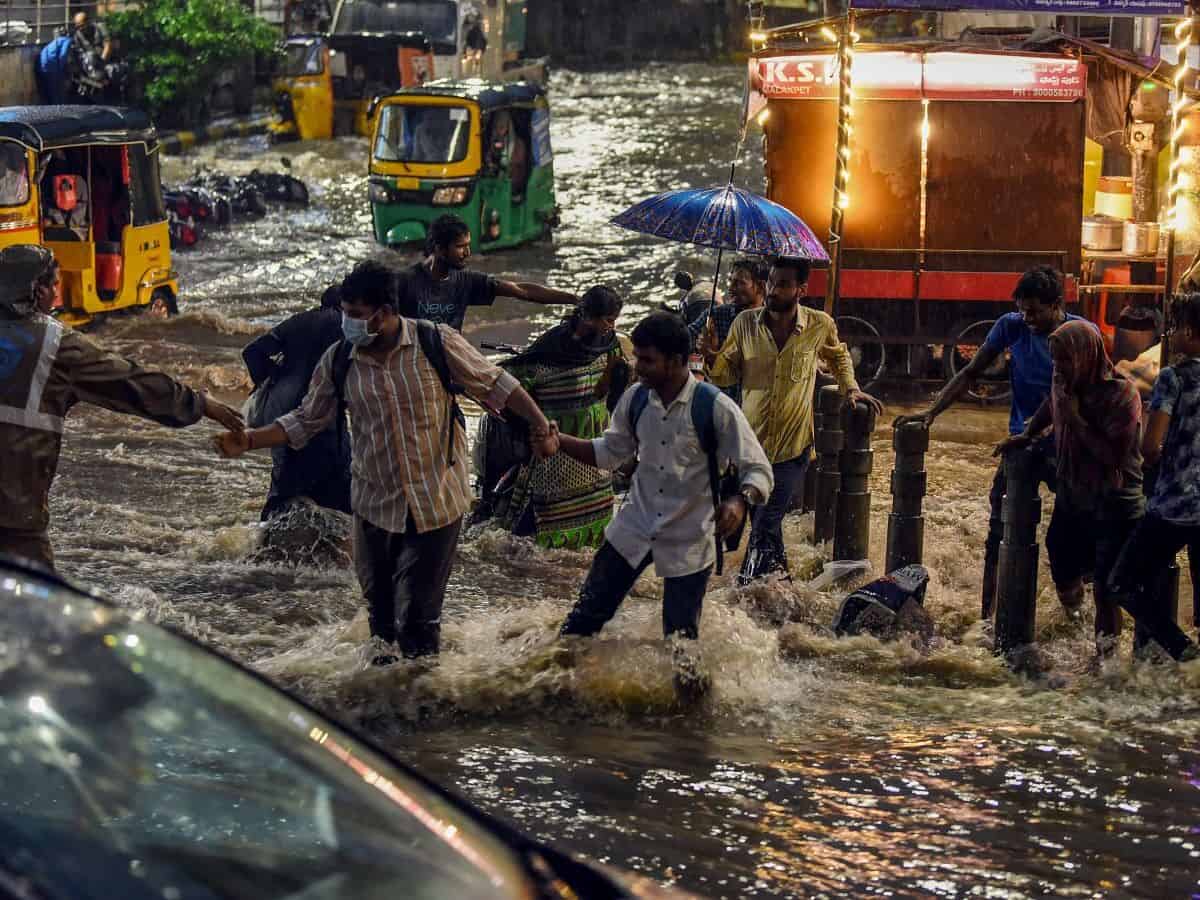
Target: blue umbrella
x: 726, y: 218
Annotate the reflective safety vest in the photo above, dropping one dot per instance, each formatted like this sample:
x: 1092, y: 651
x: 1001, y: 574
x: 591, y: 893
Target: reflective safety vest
x: 28, y: 348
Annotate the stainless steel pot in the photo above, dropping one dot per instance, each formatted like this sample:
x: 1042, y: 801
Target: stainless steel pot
x: 1140, y: 238
x: 1102, y: 233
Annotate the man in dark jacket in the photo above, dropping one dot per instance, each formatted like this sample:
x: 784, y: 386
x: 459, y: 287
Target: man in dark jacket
x: 287, y: 355
x: 45, y: 369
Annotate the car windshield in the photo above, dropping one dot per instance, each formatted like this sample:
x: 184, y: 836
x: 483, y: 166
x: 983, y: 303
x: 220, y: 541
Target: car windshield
x: 423, y: 134
x: 438, y: 19
x: 137, y: 765
x: 302, y: 59
x: 14, y: 175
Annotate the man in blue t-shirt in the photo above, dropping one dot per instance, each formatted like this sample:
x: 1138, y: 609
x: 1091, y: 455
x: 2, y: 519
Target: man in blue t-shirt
x: 1024, y: 335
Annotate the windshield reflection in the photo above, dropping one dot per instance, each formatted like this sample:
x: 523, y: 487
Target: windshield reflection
x: 161, y: 770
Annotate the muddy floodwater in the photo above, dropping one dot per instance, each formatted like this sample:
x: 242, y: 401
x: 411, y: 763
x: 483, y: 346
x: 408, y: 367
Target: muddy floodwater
x: 816, y: 767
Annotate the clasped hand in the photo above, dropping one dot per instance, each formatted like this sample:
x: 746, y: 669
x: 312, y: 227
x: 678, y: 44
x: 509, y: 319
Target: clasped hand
x: 543, y: 441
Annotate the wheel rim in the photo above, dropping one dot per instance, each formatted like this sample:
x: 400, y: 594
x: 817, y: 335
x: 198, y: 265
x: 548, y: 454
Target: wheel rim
x: 867, y: 353
x: 993, y: 384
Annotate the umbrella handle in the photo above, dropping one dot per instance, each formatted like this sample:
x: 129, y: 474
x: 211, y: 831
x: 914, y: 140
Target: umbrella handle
x: 712, y: 301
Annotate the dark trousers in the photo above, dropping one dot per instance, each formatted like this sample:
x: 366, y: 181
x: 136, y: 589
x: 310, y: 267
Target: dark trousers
x: 610, y: 579
x: 765, y: 552
x: 1136, y: 578
x: 1080, y: 541
x: 31, y: 545
x: 1046, y: 465
x: 403, y: 579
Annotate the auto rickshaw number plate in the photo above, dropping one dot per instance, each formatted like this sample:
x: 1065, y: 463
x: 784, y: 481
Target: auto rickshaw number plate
x: 408, y: 184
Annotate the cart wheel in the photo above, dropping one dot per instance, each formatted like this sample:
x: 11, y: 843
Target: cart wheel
x: 162, y: 305
x: 868, y: 353
x: 993, y: 386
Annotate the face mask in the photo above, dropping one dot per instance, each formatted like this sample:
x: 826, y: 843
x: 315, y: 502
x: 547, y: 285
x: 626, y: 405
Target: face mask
x: 356, y: 331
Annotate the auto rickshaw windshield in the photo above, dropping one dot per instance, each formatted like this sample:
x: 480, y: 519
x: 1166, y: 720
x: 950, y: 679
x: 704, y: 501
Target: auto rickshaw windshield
x: 423, y: 134
x: 14, y: 175
x: 302, y: 59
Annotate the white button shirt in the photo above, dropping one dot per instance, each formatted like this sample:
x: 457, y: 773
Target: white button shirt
x: 669, y: 510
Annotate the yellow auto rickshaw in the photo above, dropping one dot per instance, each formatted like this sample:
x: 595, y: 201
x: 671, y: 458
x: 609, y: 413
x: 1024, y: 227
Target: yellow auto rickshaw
x: 327, y: 81
x: 83, y: 181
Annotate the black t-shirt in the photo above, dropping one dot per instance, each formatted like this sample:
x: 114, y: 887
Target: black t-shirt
x: 445, y: 302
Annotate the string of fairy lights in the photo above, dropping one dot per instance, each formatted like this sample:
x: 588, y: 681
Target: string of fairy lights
x: 1183, y: 41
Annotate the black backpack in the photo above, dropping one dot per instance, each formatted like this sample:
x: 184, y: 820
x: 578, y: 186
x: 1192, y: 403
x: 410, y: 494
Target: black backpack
x: 721, y: 486
x: 430, y: 341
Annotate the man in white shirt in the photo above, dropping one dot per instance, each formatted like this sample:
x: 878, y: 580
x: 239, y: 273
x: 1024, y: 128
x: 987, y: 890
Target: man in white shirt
x: 668, y: 517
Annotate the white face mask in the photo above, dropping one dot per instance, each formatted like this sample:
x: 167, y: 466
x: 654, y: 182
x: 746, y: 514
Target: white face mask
x: 356, y: 331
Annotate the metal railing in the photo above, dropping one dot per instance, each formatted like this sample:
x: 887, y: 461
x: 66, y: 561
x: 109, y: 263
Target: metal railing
x: 35, y: 21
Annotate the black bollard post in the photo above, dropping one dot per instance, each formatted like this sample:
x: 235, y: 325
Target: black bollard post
x: 852, y: 536
x: 906, y: 524
x: 1167, y: 587
x: 1016, y: 588
x: 810, y: 488
x: 829, y: 443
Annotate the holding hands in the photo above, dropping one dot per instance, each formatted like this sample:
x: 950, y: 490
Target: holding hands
x: 544, y: 440
x: 232, y: 444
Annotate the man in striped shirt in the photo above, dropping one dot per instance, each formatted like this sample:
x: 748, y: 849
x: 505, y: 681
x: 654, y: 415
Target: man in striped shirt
x: 409, y: 488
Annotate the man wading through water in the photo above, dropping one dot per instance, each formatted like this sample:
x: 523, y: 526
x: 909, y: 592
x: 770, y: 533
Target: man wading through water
x: 1025, y: 336
x: 440, y: 287
x: 45, y: 369
x: 281, y: 364
x: 669, y: 517
x: 409, y: 488
x: 772, y: 353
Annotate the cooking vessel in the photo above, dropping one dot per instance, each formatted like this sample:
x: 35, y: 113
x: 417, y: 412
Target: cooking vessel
x: 1102, y: 233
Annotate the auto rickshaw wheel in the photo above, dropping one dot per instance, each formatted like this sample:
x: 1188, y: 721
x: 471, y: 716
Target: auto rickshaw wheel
x: 162, y: 304
x: 967, y: 338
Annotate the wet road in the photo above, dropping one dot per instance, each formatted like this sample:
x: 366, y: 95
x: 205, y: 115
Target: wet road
x: 816, y: 768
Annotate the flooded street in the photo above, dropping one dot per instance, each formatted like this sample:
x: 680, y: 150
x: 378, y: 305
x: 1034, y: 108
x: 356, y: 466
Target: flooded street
x: 816, y: 767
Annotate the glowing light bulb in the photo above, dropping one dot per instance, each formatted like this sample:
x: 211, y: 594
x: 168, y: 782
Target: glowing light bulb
x: 829, y: 34
x: 763, y: 116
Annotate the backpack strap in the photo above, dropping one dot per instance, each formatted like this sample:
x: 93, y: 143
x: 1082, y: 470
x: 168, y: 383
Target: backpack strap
x: 704, y: 402
x: 430, y: 339
x: 341, y: 369
x: 637, y: 406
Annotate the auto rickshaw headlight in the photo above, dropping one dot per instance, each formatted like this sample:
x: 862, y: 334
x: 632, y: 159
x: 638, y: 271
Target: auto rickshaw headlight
x: 377, y: 192
x: 450, y: 196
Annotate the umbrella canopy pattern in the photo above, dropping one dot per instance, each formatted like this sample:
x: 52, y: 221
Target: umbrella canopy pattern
x: 725, y: 218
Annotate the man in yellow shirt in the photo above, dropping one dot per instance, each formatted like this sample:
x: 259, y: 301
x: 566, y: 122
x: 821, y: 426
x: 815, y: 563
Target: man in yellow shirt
x: 772, y: 352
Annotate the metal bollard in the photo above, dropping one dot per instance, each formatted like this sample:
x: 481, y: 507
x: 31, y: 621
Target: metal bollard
x: 829, y: 442
x: 1016, y: 588
x: 1167, y: 587
x: 906, y: 524
x: 852, y: 536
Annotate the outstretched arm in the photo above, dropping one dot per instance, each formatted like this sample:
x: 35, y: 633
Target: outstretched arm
x: 956, y: 386
x: 534, y: 293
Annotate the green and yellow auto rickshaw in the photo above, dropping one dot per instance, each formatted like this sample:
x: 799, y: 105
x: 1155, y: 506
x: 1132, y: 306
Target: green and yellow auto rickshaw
x: 477, y: 149
x: 326, y: 82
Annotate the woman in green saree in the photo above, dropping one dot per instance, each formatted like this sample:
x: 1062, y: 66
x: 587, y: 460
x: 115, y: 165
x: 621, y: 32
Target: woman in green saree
x: 576, y: 372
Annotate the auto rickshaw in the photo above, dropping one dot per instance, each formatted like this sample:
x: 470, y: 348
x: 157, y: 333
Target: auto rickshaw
x: 83, y: 181
x: 477, y: 149
x: 327, y: 82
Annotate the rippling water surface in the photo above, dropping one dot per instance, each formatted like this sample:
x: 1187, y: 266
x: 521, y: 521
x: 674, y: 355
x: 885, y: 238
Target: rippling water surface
x: 816, y: 767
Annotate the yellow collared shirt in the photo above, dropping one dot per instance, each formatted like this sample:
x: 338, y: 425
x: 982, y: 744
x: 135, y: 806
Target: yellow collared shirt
x: 777, y: 386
